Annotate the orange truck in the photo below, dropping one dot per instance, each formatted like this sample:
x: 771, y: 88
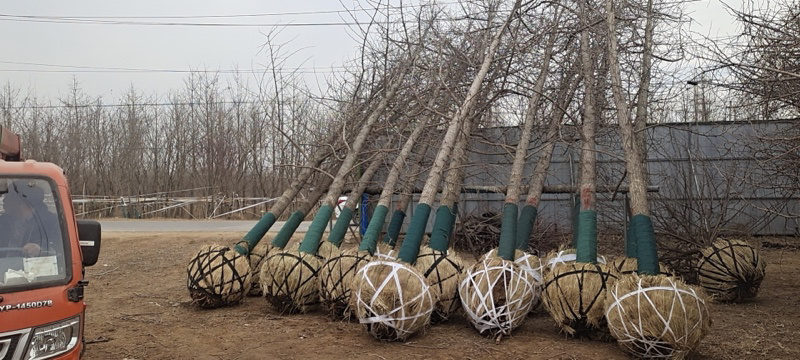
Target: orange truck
x: 43, y: 252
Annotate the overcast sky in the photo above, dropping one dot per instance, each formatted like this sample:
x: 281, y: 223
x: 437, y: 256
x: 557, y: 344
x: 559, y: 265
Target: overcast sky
x: 42, y: 50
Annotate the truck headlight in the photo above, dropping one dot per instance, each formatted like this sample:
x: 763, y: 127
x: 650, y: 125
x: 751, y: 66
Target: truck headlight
x: 54, y: 339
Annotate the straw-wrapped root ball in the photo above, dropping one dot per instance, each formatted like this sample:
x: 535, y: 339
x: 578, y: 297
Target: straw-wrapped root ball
x: 731, y: 270
x: 218, y: 276
x: 257, y: 257
x: 385, y: 251
x: 442, y: 270
x: 529, y: 263
x: 574, y: 295
x: 627, y: 266
x: 336, y: 280
x: 564, y: 256
x: 289, y: 281
x: 328, y: 250
x: 392, y: 300
x: 496, y: 295
x: 657, y: 316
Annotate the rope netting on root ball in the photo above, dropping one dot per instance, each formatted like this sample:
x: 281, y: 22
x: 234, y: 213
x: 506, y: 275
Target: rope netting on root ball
x: 289, y: 281
x: 731, y: 270
x: 257, y: 256
x: 442, y: 270
x: 657, y: 317
x: 336, y: 281
x: 496, y: 295
x: 627, y: 266
x: 564, y: 256
x: 218, y: 276
x: 531, y: 264
x: 392, y: 300
x: 574, y: 295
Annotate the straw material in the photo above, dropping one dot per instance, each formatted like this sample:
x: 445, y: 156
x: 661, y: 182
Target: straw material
x: 385, y: 251
x: 574, y: 295
x: 731, y: 270
x: 496, y: 295
x: 624, y: 265
x: 565, y: 256
x: 336, y: 281
x: 218, y: 276
x: 257, y: 257
x: 289, y: 281
x: 328, y: 250
x: 657, y: 317
x: 393, y: 300
x: 442, y: 271
x: 532, y: 265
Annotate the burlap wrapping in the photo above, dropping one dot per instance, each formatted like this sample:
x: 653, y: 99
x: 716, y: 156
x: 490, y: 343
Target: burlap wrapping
x: 289, y: 281
x: 218, y: 276
x: 336, y: 281
x: 574, y: 295
x: 731, y: 270
x: 442, y: 271
x: 496, y: 295
x: 657, y: 317
x: 392, y: 300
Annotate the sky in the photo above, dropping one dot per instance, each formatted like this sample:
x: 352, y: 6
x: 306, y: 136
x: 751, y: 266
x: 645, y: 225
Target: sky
x: 48, y: 43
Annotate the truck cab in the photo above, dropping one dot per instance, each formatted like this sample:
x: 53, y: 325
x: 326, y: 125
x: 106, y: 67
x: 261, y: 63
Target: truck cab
x: 43, y: 252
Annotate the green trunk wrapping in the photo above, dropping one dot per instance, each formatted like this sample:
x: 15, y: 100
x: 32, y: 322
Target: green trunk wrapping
x: 647, y: 253
x: 630, y: 241
x: 288, y: 229
x: 393, y: 231
x: 310, y: 242
x: 587, y: 237
x: 370, y: 240
x: 340, y: 228
x: 576, y: 221
x: 442, y: 227
x: 255, y: 234
x: 527, y: 218
x: 508, y: 231
x: 416, y: 229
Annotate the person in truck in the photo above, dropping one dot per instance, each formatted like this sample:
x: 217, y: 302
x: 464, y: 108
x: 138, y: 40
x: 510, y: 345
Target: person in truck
x: 25, y: 222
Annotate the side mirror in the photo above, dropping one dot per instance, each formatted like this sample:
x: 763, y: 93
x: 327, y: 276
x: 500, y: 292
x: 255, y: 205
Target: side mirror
x: 89, y: 236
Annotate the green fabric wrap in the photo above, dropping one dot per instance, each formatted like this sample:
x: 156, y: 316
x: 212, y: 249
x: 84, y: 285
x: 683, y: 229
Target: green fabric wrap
x: 508, y: 231
x: 370, y: 240
x: 255, y: 234
x: 646, y: 251
x: 587, y: 237
x: 576, y: 221
x: 288, y: 229
x: 416, y: 229
x: 340, y: 228
x: 527, y: 218
x: 442, y: 227
x: 395, y: 224
x: 630, y: 241
x: 310, y: 242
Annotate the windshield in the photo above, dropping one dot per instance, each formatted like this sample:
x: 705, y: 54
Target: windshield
x: 31, y: 241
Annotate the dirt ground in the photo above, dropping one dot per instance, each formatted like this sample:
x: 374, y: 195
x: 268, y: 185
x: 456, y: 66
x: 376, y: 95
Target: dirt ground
x: 138, y: 309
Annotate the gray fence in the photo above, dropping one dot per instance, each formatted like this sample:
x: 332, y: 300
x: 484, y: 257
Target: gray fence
x: 710, y: 177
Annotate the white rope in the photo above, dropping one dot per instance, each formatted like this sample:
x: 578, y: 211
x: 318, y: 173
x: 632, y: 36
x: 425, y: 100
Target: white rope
x: 488, y: 315
x: 396, y: 317
x: 562, y: 258
x: 633, y: 334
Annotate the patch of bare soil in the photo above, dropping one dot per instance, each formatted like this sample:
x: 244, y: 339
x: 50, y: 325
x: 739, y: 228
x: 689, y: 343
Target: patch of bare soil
x: 137, y: 309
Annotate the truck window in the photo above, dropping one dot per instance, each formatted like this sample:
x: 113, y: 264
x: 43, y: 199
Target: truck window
x: 31, y: 241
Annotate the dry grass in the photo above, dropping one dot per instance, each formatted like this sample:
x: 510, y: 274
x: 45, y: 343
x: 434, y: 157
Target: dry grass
x: 336, y: 281
x: 657, y: 316
x: 731, y: 270
x: 289, y: 281
x: 574, y: 295
x: 443, y: 272
x: 218, y: 276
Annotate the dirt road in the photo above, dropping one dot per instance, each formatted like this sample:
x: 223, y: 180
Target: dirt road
x: 138, y: 310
